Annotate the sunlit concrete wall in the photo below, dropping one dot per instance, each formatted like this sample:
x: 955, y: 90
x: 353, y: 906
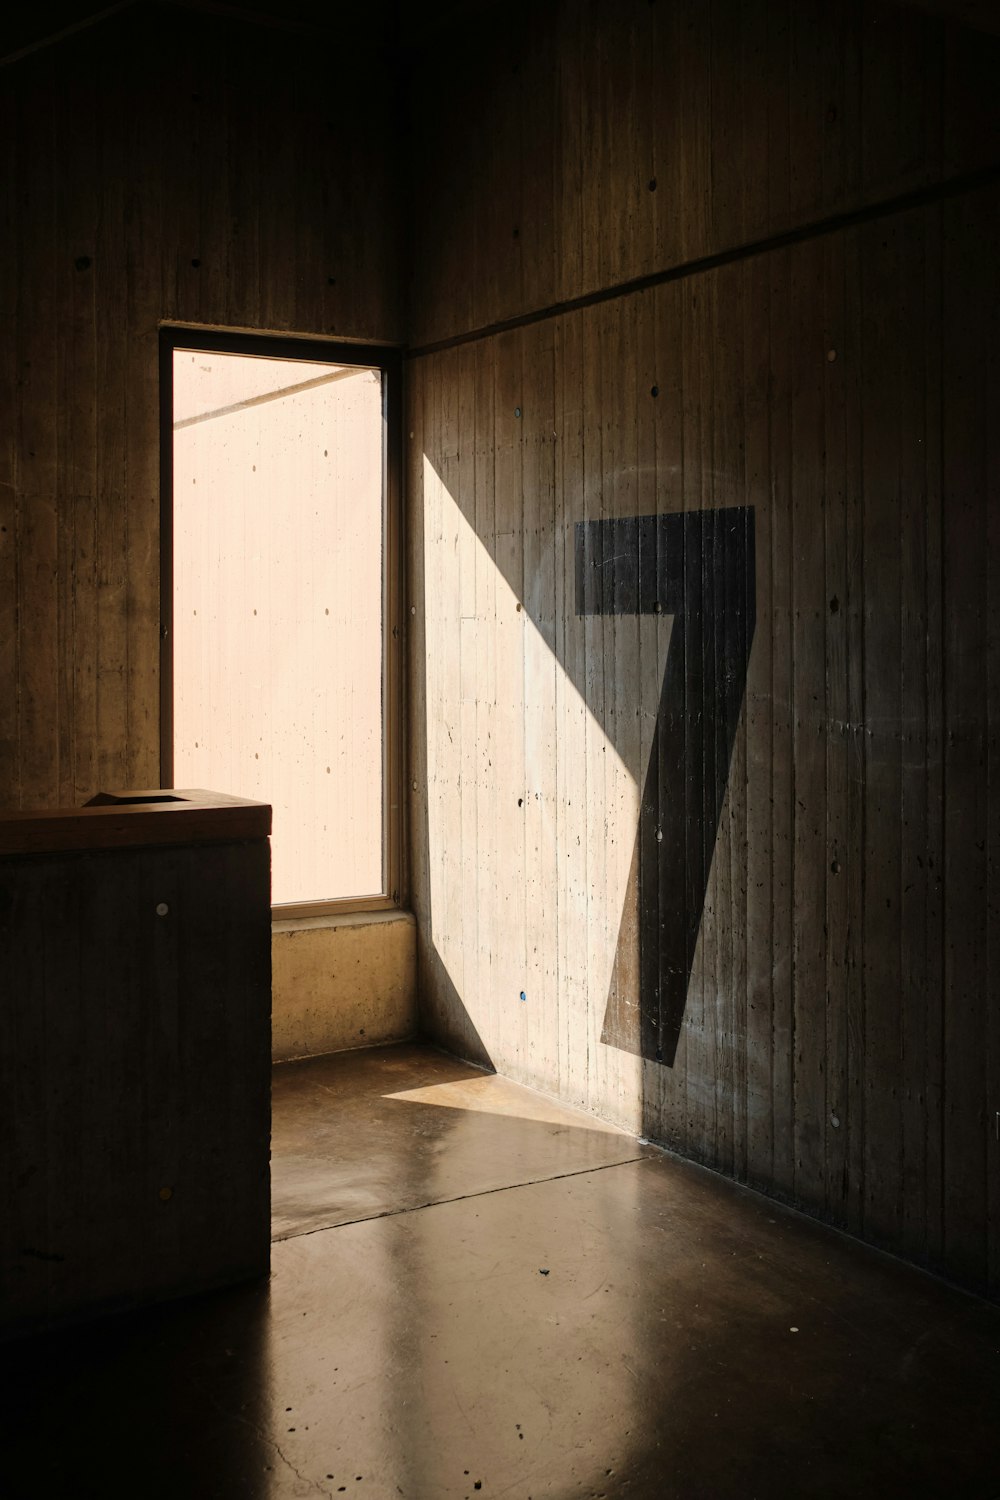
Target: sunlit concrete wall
x: 344, y: 983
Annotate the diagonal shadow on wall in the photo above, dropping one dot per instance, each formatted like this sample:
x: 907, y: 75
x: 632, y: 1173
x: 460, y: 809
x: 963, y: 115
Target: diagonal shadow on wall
x: 697, y: 567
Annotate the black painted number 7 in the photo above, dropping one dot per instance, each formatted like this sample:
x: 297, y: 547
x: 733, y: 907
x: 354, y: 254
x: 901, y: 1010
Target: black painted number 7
x: 698, y: 566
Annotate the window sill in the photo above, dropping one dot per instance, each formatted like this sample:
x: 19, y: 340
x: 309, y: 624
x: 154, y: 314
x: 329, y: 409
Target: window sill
x: 341, y: 919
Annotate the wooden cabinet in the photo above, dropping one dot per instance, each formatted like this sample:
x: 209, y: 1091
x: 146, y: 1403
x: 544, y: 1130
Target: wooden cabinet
x: 135, y: 1003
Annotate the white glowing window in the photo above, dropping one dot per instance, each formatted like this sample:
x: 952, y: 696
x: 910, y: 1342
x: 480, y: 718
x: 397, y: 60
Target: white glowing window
x: 279, y: 511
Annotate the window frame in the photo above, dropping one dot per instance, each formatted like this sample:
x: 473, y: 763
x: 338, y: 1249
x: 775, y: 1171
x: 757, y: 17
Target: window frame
x: 318, y: 350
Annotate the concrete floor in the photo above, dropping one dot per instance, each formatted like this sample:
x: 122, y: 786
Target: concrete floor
x: 476, y: 1291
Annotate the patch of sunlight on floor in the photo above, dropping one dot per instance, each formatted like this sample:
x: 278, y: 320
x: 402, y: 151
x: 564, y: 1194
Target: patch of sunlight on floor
x: 493, y: 1095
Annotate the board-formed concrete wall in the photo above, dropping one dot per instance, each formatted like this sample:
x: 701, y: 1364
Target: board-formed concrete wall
x: 163, y: 166
x: 704, y: 662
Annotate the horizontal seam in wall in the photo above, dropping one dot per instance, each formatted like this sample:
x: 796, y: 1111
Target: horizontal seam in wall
x: 924, y: 197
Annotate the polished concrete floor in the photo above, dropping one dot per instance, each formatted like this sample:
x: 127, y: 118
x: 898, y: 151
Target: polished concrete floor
x: 475, y: 1291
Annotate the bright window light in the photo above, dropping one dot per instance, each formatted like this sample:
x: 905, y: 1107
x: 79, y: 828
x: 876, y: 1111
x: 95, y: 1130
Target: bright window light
x: 279, y: 522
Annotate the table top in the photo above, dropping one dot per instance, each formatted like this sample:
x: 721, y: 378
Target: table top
x: 135, y: 819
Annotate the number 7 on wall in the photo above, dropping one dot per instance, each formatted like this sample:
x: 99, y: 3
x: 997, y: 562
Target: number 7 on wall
x: 698, y: 566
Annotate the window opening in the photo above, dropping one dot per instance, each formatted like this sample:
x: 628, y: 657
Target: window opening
x: 281, y: 555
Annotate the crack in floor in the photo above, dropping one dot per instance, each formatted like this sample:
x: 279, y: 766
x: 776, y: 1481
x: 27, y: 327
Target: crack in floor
x: 507, y: 1187
x: 261, y: 1435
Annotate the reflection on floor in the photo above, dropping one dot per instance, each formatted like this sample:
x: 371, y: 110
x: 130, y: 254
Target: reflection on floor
x: 476, y: 1291
x: 362, y: 1134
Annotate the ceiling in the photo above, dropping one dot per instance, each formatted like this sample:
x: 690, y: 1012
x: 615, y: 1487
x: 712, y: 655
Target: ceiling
x: 409, y: 23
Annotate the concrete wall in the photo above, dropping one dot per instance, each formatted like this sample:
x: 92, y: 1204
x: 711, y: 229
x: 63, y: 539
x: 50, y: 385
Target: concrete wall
x: 704, y: 673
x: 166, y: 165
x: 342, y: 982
